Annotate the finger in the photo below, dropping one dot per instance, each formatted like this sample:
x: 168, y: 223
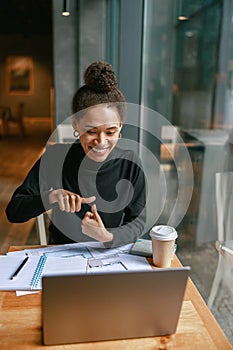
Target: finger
x: 72, y: 203
x: 96, y: 214
x: 87, y: 220
x: 88, y: 215
x: 77, y: 203
x: 66, y: 202
x: 94, y: 209
x: 87, y: 199
x: 81, y: 200
x: 60, y: 200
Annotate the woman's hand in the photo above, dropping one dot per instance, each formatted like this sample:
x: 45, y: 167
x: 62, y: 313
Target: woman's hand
x: 68, y: 201
x: 93, y: 226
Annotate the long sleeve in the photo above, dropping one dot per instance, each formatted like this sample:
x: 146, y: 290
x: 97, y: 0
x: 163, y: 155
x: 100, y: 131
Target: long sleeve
x: 134, y: 214
x: 128, y: 232
x: 26, y: 201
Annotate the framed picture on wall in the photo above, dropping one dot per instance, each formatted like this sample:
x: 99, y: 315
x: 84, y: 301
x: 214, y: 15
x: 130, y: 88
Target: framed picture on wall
x: 19, y: 75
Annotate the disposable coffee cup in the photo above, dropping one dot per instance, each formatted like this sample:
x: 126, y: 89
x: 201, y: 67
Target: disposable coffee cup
x: 163, y: 245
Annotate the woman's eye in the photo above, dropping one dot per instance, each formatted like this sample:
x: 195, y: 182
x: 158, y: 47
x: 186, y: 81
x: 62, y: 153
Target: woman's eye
x: 108, y: 133
x: 112, y: 133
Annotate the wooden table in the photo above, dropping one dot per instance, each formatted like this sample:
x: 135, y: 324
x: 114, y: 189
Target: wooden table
x: 20, y: 326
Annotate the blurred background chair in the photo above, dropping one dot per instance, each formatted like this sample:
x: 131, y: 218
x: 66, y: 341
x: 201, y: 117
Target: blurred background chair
x: 41, y: 229
x: 42, y: 225
x: 5, y: 113
x: 224, y: 244
x: 169, y: 137
x: 8, y: 119
x: 65, y: 133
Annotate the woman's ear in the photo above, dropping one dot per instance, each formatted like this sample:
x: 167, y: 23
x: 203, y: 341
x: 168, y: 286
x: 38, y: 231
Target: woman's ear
x: 121, y: 126
x: 74, y: 123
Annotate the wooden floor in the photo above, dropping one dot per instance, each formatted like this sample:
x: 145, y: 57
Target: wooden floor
x: 17, y: 155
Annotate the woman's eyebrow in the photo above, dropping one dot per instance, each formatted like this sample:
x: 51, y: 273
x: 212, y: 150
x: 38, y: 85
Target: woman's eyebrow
x: 113, y: 127
x: 96, y: 126
x: 89, y: 126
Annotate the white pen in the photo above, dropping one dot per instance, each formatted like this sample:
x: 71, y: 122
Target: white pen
x: 15, y: 274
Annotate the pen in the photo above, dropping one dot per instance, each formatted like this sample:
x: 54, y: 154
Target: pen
x: 15, y: 274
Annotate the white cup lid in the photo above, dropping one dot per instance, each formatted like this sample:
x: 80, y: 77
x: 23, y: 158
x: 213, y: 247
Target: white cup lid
x: 163, y: 233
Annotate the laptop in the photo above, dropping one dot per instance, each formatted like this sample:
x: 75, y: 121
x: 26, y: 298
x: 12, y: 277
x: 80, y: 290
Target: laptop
x: 97, y: 307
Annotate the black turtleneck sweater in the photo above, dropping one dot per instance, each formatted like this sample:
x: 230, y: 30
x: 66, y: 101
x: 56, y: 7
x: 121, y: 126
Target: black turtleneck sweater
x: 118, y: 184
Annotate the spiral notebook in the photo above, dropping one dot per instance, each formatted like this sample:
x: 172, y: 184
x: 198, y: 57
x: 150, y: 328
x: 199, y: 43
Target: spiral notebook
x: 29, y: 277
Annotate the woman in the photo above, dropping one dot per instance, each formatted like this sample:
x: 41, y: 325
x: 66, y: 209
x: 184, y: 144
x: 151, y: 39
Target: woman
x: 95, y: 189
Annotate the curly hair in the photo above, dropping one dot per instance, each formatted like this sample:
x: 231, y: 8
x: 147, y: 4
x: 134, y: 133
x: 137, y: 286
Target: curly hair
x: 100, y: 86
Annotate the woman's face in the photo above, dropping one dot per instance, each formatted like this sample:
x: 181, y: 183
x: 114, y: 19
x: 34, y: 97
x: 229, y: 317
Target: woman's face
x: 99, y: 131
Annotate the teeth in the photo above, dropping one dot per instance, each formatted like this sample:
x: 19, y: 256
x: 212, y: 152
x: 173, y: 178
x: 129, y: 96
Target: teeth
x: 98, y: 150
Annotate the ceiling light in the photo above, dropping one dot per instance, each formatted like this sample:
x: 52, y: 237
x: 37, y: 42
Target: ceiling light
x: 183, y: 18
x: 66, y: 8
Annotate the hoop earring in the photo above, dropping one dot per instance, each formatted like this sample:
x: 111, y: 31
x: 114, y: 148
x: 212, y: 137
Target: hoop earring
x: 76, y: 134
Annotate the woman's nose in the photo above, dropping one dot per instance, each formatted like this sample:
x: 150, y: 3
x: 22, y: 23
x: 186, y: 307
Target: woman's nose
x: 101, y: 138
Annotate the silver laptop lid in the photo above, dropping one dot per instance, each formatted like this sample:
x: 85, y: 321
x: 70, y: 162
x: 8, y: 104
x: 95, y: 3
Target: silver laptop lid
x: 85, y: 308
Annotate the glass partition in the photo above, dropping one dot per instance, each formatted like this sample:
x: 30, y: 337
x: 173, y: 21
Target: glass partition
x: 187, y: 77
x: 158, y: 57
x: 196, y: 62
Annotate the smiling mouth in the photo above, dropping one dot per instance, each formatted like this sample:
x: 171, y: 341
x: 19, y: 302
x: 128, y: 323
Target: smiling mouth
x: 100, y: 150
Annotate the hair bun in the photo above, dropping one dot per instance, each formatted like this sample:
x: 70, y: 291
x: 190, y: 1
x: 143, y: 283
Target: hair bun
x: 100, y: 77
